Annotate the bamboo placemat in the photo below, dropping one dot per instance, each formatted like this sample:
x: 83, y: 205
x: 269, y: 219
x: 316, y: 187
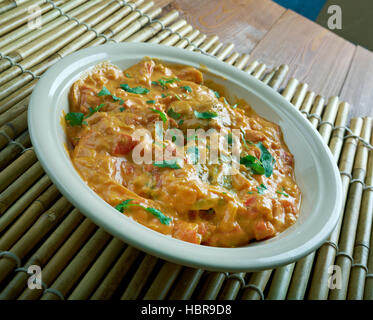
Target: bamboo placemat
x: 38, y: 226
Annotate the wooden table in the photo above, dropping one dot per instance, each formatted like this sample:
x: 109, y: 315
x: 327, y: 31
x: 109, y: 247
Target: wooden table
x: 274, y: 35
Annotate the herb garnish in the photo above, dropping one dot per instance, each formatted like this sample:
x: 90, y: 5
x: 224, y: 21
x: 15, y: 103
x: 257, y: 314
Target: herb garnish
x: 187, y: 88
x: 261, y: 188
x: 150, y: 102
x: 217, y: 94
x: 252, y: 162
x: 173, y: 164
x: 137, y: 90
x: 121, y: 109
x: 128, y: 75
x: 161, y: 114
x: 127, y: 203
x: 173, y: 114
x: 77, y: 118
x: 177, y: 97
x: 104, y: 92
x: 283, y: 193
x: 205, y: 115
x: 266, y: 159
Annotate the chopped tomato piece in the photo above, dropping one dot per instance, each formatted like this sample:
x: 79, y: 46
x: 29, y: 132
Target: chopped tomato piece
x: 187, y: 232
x: 125, y: 145
x: 263, y: 230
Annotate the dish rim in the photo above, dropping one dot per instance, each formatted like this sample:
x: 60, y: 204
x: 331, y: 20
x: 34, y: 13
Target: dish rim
x: 151, y: 241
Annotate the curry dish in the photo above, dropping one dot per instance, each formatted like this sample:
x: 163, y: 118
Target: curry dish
x: 195, y: 201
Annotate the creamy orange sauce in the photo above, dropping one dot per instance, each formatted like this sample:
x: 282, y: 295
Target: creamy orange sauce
x: 203, y: 204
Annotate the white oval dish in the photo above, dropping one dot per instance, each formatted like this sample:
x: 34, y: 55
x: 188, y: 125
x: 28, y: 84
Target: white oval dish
x: 316, y: 171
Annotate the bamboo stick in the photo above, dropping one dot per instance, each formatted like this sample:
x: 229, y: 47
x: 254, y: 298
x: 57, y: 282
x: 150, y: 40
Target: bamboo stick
x: 299, y: 95
x: 208, y: 43
x: 62, y: 257
x: 290, y: 89
x: 211, y: 286
x: 215, y: 48
x: 190, y: 36
x: 316, y: 110
x: 91, y: 280
x: 368, y: 290
x: 14, y: 111
x: 351, y: 215
x: 328, y: 118
x: 8, y: 5
x: 18, y: 187
x: 165, y: 33
x: 30, y: 15
x: 307, y: 103
x: 326, y: 254
x: 279, y: 77
x: 363, y: 234
x: 259, y: 71
x: 337, y: 138
x: 17, y: 208
x: 11, y: 151
x: 303, y: 267
x: 16, y: 168
x: 23, y: 35
x: 232, y: 58
x: 224, y: 52
x: 148, y: 31
x: 44, y: 224
x: 231, y: 287
x: 13, y: 129
x: 43, y: 254
x: 195, y: 43
x: 256, y: 285
x: 173, y: 38
x: 163, y: 281
x: 251, y: 67
x: 140, y: 278
x: 78, y: 265
x: 242, y: 61
x: 269, y: 75
x: 29, y: 217
x: 17, y: 96
x: 186, y: 284
x: 280, y: 282
x: 116, y: 274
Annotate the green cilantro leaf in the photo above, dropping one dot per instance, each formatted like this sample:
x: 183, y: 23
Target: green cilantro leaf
x: 266, y: 159
x: 217, y: 94
x: 137, y: 90
x: 205, y: 115
x: 75, y: 118
x: 161, y: 114
x: 252, y: 162
x: 150, y: 102
x: 92, y: 111
x: 104, y: 92
x: 121, y: 109
x: 173, y: 164
x: 261, y: 188
x: 177, y: 97
x: 128, y: 75
x: 127, y: 203
x: 187, y: 88
x: 173, y: 114
x: 159, y: 214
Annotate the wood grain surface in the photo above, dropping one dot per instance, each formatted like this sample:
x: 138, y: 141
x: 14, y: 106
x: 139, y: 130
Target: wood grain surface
x: 242, y: 22
x: 358, y: 87
x: 274, y: 35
